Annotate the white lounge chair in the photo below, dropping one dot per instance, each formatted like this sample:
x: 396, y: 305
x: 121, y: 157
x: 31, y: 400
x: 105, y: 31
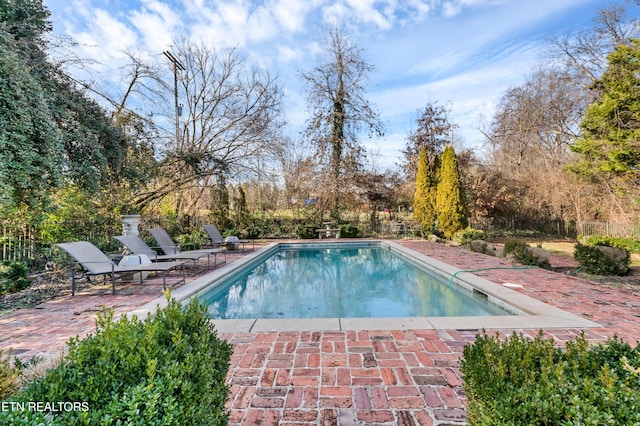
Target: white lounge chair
x: 136, y: 245
x: 217, y: 240
x: 95, y: 262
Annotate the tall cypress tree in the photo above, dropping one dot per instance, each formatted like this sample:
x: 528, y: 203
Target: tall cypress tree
x: 452, y: 215
x: 424, y: 201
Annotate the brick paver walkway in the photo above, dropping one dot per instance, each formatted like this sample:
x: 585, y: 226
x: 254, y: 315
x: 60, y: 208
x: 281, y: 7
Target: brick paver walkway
x: 381, y: 377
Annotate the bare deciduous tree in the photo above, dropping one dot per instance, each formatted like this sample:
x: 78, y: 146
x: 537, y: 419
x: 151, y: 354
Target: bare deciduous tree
x: 231, y: 118
x: 530, y: 137
x: 434, y: 132
x: 339, y: 109
x: 585, y: 53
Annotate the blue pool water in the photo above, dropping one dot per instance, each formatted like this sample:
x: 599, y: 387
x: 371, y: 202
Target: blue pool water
x: 350, y: 282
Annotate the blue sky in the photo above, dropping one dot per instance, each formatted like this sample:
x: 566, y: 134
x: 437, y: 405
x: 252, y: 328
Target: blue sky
x: 462, y: 54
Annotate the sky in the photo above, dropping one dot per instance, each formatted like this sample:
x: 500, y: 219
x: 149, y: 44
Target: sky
x: 461, y: 54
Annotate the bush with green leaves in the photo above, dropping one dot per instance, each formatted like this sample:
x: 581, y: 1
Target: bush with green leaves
x: 630, y: 244
x: 523, y: 253
x: 168, y: 369
x: 14, y: 276
x: 465, y: 236
x: 307, y: 232
x: 602, y: 260
x: 348, y: 231
x: 525, y: 381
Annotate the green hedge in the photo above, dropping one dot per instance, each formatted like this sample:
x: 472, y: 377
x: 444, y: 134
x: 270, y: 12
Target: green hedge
x: 630, y: 244
x: 169, y: 369
x: 348, y: 231
x: 524, y: 381
x: 602, y: 260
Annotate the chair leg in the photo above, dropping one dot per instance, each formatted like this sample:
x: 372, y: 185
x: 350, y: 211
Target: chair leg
x: 73, y: 280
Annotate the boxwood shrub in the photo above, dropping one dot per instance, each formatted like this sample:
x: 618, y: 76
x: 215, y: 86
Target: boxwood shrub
x: 307, y: 231
x: 14, y: 276
x: 524, y: 254
x: 168, y: 369
x: 602, y: 260
x: 524, y: 381
x: 348, y: 231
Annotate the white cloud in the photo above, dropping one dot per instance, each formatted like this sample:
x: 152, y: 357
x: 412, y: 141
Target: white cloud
x: 107, y: 38
x: 156, y: 23
x: 291, y: 14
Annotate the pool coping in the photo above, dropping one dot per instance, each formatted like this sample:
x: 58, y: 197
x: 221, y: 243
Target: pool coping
x: 535, y: 314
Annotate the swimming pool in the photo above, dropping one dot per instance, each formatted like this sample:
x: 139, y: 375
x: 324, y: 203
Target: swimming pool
x: 527, y: 313
x: 340, y: 280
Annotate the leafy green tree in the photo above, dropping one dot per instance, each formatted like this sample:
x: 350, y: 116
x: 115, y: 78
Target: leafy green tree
x: 424, y: 201
x: 51, y: 132
x: 30, y: 145
x: 609, y: 147
x: 452, y: 215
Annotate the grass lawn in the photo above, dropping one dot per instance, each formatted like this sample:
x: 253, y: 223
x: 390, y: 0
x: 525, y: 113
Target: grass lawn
x: 565, y: 248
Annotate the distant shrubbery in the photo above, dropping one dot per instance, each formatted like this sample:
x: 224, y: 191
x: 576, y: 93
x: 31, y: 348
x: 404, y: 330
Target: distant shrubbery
x: 14, y: 276
x: 522, y: 253
x: 307, y: 232
x: 524, y: 381
x: 465, y: 236
x: 630, y: 244
x: 481, y: 246
x: 166, y: 370
x: 348, y: 231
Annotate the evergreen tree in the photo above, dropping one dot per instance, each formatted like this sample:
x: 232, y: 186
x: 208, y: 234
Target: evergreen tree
x: 452, y: 215
x: 424, y: 202
x: 610, y: 142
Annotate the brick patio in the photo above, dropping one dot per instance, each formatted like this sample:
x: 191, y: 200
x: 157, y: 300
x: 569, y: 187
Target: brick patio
x: 381, y: 377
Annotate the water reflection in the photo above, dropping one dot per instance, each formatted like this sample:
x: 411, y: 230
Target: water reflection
x: 347, y: 283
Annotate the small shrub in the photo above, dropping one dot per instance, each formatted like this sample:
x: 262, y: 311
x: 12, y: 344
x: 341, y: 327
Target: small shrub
x: 532, y: 382
x: 481, y: 246
x: 14, y: 276
x: 348, y: 231
x: 169, y: 369
x: 602, y: 260
x: 435, y: 238
x: 307, y: 232
x: 467, y: 235
x: 522, y: 253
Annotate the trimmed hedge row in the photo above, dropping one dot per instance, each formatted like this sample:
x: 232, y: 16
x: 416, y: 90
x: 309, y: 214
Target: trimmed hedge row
x: 169, y: 369
x: 523, y: 381
x: 630, y: 244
